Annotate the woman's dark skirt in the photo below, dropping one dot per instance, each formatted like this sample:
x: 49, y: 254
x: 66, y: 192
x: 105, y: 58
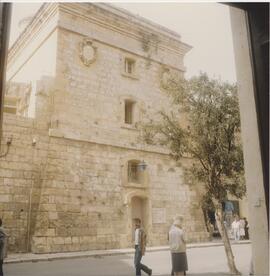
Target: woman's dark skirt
x: 179, y: 262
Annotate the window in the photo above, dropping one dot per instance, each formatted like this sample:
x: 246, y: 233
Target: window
x: 134, y: 175
x: 129, y: 107
x: 129, y: 66
x: 10, y: 105
x: 23, y: 104
x: 129, y: 110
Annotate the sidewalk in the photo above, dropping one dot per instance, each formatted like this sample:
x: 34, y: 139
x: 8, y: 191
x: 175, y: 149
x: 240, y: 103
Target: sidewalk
x: 31, y: 257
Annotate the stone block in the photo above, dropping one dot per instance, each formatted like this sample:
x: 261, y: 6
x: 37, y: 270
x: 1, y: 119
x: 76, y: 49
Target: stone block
x: 48, y: 207
x: 75, y: 240
x: 5, y: 198
x: 50, y: 233
x: 68, y: 240
x: 39, y: 241
x: 53, y: 215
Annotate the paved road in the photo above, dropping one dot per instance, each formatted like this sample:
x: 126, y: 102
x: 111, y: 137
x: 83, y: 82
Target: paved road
x: 207, y: 261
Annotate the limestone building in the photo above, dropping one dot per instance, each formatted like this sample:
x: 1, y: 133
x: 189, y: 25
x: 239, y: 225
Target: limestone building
x: 80, y: 78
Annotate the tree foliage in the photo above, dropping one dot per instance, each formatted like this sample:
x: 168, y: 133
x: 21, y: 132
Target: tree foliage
x: 203, y: 124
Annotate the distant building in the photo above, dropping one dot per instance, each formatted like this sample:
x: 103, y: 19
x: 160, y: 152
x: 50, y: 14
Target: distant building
x: 81, y: 76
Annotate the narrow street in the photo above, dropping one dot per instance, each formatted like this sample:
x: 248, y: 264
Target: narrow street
x: 208, y: 261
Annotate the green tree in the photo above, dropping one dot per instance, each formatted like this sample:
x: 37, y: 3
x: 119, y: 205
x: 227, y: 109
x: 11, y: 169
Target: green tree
x: 204, y: 124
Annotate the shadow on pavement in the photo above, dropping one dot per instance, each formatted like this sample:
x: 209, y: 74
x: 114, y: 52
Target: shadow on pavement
x: 212, y: 274
x: 203, y: 274
x: 209, y: 274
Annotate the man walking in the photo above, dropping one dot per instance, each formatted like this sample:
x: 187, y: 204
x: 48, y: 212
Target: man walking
x: 3, y: 247
x: 140, y: 244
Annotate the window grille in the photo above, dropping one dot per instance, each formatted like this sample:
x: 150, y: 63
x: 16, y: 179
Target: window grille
x: 133, y: 172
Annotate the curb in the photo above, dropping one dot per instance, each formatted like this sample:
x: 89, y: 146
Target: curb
x: 100, y: 253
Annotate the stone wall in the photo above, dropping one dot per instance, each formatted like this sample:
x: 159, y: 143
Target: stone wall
x: 20, y: 178
x: 66, y: 195
x: 95, y: 94
x: 64, y: 179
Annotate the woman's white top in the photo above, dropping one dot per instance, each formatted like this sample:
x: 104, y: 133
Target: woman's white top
x: 177, y: 240
x: 236, y: 225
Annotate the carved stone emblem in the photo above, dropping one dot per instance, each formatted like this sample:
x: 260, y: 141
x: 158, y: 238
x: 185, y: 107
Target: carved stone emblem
x: 165, y: 77
x: 169, y: 78
x: 88, y: 52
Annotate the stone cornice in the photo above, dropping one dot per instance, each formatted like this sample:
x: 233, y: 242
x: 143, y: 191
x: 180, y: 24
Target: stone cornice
x: 43, y: 15
x: 125, y: 23
x: 101, y: 14
x: 130, y: 17
x: 57, y: 133
x: 182, y: 68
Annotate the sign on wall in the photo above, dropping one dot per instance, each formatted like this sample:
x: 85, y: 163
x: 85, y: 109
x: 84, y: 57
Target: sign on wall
x: 159, y: 215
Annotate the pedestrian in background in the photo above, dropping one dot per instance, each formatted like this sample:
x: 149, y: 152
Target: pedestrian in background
x: 242, y: 229
x: 246, y: 229
x: 178, y: 247
x: 172, y: 273
x: 3, y: 247
x: 236, y: 228
x: 140, y: 245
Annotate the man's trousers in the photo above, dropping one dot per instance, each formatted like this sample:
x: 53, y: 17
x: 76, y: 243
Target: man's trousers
x: 137, y: 262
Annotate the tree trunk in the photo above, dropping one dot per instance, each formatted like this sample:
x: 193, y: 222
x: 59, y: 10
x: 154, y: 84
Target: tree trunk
x: 225, y: 239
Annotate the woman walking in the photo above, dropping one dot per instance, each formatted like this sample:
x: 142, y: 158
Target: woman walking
x: 178, y: 247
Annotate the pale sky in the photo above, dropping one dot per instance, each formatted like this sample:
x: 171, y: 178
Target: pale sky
x: 205, y: 26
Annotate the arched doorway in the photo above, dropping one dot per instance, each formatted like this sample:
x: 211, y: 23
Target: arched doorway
x: 138, y: 204
x: 139, y: 209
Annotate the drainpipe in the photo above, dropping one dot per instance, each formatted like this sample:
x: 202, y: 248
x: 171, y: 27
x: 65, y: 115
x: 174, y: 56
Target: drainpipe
x: 5, y: 15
